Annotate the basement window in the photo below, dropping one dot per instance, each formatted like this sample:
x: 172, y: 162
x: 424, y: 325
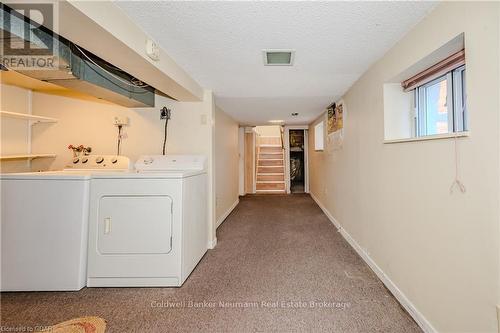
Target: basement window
x: 440, y: 105
x: 428, y: 100
x: 319, y: 136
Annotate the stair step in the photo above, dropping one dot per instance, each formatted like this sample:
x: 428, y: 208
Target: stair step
x: 269, y: 182
x: 270, y: 177
x: 272, y: 156
x: 270, y: 162
x: 270, y: 149
x: 270, y: 186
x: 270, y: 169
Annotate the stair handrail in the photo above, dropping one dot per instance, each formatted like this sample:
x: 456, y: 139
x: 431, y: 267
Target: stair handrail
x: 257, y: 152
x: 282, y: 137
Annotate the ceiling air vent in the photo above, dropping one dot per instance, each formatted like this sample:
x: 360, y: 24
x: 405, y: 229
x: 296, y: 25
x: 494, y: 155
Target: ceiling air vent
x: 278, y: 57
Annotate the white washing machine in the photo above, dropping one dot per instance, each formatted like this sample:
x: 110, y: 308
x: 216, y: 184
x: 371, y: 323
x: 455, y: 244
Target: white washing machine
x: 148, y: 228
x: 44, y: 225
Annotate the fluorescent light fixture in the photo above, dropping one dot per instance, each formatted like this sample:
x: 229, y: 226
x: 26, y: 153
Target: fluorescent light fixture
x: 277, y: 57
x: 276, y: 121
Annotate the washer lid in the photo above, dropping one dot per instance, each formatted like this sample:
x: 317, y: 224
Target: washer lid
x: 47, y: 175
x: 170, y: 163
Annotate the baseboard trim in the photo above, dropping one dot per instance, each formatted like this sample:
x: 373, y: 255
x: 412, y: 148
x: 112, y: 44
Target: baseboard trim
x: 212, y: 244
x: 419, y: 318
x: 226, y: 214
x: 498, y: 317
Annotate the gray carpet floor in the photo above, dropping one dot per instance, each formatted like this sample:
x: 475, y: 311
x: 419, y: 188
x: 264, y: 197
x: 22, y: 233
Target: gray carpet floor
x: 279, y: 266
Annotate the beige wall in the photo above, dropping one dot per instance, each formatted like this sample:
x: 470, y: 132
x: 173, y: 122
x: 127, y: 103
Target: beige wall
x: 440, y: 249
x: 91, y: 124
x: 226, y: 164
x: 268, y: 130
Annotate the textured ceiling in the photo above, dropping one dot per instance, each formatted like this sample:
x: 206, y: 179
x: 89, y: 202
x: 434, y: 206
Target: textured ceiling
x: 220, y: 45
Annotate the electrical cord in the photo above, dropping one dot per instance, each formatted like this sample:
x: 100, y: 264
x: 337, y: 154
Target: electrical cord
x: 135, y: 82
x: 457, y: 182
x: 165, y: 137
x: 119, y: 139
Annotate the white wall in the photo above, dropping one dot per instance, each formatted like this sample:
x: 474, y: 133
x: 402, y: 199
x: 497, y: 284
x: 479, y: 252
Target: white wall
x: 440, y: 249
x: 14, y: 135
x: 398, y: 112
x: 226, y: 164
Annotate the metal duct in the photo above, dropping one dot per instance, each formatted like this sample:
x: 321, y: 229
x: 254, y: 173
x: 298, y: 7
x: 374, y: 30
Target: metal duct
x: 76, y: 68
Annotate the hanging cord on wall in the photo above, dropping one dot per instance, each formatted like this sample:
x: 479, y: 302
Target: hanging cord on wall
x: 165, y: 137
x: 165, y: 114
x: 456, y: 181
x: 119, y: 139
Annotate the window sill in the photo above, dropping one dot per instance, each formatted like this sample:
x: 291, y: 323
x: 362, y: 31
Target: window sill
x: 430, y: 137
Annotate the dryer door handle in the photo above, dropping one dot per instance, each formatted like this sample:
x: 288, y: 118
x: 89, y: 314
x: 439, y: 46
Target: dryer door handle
x: 107, y: 225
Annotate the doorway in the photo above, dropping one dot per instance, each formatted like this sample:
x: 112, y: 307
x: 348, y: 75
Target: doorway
x: 297, y: 170
x: 296, y: 140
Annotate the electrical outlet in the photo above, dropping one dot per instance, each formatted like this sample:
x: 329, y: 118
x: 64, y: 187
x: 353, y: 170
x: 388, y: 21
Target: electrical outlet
x: 120, y: 121
x: 152, y: 50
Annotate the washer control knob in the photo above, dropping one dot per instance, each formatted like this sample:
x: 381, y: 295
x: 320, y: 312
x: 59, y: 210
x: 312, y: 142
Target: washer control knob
x: 114, y: 160
x: 76, y: 160
x: 99, y: 159
x: 85, y: 160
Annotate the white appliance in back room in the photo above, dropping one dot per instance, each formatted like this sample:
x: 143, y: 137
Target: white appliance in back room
x: 44, y: 225
x: 148, y: 228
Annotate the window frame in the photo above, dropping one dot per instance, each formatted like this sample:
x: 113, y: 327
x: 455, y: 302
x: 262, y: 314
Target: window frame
x: 319, y: 136
x: 455, y: 103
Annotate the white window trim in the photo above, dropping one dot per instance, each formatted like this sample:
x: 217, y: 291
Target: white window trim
x: 430, y: 137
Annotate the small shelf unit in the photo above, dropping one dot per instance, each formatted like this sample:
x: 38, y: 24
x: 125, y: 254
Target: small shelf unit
x: 33, y: 120
x: 30, y: 117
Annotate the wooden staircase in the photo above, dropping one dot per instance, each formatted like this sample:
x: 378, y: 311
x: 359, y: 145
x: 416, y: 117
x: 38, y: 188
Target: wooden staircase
x: 270, y: 166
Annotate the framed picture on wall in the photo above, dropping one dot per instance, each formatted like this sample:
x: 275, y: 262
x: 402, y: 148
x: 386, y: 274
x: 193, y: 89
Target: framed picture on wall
x: 335, y: 117
x: 331, y: 118
x: 335, y: 124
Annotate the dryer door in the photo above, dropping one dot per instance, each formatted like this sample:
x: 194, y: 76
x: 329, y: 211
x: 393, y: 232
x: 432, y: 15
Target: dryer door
x: 135, y: 225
